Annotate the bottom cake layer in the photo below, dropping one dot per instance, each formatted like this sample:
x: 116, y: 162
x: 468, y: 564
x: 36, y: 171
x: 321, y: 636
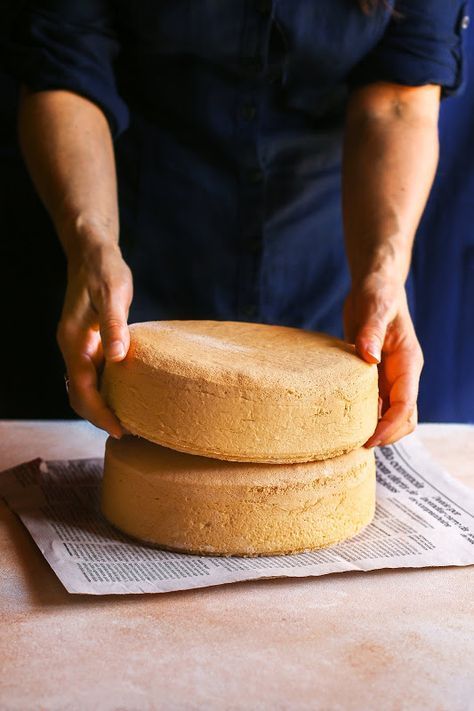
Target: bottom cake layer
x: 198, y: 505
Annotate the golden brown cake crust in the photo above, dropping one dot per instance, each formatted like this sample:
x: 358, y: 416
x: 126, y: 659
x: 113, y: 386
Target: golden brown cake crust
x: 243, y: 392
x: 199, y: 505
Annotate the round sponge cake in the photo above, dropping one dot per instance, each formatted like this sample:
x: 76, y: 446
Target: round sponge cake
x: 199, y: 505
x: 243, y: 391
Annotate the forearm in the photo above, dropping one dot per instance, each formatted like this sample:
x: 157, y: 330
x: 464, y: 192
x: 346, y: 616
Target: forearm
x: 68, y: 148
x: 390, y: 158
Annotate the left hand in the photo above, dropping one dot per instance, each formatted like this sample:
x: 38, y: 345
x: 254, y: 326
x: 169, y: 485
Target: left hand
x: 378, y: 321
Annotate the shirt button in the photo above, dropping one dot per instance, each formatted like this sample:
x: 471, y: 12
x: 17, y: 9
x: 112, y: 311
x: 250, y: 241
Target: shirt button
x: 255, y: 176
x: 248, y: 112
x: 465, y: 22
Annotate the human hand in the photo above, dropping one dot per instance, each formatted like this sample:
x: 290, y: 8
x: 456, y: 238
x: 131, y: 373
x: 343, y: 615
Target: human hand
x: 378, y: 321
x: 93, y: 326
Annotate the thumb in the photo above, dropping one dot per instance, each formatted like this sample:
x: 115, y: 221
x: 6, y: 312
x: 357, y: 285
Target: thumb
x: 372, y: 330
x: 114, y: 331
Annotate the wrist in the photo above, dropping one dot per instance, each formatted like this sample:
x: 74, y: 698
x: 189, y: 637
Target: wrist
x: 88, y: 241
x: 383, y: 267
x: 379, y: 282
x: 380, y: 257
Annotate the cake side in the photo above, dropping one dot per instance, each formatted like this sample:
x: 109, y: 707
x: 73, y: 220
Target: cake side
x: 233, y: 415
x: 258, y: 511
x: 238, y: 424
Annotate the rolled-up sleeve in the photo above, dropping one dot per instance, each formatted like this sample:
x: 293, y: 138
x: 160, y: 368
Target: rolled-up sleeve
x: 423, y: 44
x: 70, y: 45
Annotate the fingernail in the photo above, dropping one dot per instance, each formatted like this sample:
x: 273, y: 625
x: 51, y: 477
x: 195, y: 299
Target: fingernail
x: 375, y: 443
x: 115, y: 436
x: 374, y: 350
x: 116, y: 350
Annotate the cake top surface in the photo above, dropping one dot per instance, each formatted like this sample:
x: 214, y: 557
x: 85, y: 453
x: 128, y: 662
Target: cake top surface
x: 273, y: 356
x: 153, y: 460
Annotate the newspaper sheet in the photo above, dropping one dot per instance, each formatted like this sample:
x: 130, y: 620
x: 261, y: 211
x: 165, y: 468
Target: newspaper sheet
x: 423, y: 518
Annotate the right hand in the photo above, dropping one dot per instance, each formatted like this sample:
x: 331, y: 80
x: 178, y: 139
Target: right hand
x: 378, y: 321
x: 93, y: 327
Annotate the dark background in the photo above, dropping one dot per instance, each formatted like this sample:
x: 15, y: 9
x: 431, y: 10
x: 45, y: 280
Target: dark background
x: 32, y: 273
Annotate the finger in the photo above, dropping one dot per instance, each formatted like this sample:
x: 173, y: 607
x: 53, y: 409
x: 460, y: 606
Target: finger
x: 403, y: 396
x: 113, y: 310
x: 397, y: 423
x: 381, y: 408
x: 369, y: 340
x: 407, y: 428
x: 371, y: 333
x: 393, y: 419
x: 82, y: 361
x: 85, y: 398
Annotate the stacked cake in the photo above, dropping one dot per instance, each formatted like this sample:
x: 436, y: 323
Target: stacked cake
x: 246, y: 438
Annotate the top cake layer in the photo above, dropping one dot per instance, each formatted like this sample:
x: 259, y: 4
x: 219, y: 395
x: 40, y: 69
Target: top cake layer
x: 243, y: 391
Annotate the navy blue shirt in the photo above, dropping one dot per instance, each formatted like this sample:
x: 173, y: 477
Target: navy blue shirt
x: 228, y: 117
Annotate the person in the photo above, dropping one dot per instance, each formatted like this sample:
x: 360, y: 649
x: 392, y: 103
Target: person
x: 235, y: 125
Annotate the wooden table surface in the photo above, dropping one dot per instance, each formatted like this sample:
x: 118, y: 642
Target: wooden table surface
x: 382, y: 640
